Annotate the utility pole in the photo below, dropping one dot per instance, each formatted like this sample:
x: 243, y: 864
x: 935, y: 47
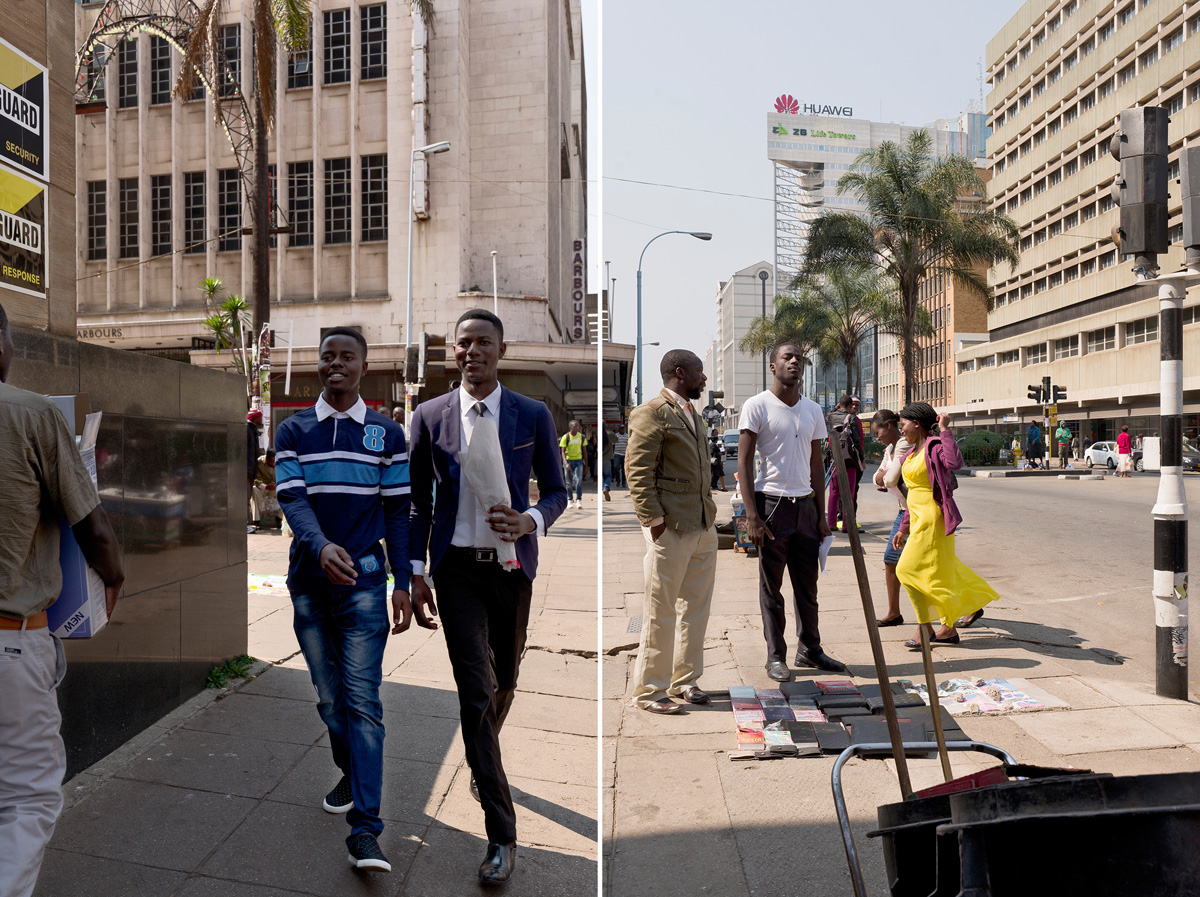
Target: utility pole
x: 1141, y: 146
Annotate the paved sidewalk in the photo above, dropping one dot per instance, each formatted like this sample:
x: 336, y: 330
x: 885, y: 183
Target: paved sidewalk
x: 223, y: 797
x: 674, y: 801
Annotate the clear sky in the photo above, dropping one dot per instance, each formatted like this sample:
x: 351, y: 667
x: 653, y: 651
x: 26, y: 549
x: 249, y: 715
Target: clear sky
x: 687, y: 88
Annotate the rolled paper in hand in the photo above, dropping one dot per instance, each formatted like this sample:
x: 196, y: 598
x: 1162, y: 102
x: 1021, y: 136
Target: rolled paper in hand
x: 482, y: 466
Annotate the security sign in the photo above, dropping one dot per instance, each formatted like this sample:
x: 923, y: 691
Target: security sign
x: 23, y: 102
x: 22, y: 233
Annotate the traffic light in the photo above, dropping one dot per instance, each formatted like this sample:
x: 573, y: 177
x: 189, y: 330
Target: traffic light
x: 1046, y: 389
x: 1035, y: 393
x: 412, y: 355
x: 1189, y: 190
x: 431, y: 348
x: 1140, y: 145
x: 1060, y: 395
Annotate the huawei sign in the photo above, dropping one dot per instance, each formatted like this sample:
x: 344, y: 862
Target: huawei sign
x: 787, y: 104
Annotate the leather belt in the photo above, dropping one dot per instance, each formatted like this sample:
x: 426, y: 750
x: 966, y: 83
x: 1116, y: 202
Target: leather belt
x: 37, y: 621
x: 481, y: 555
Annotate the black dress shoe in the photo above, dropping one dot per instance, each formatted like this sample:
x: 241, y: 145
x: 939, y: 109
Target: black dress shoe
x: 819, y: 660
x: 475, y: 790
x: 498, y: 865
x: 778, y: 670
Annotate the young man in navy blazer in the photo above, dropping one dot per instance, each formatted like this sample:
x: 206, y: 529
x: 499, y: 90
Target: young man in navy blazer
x: 484, y: 609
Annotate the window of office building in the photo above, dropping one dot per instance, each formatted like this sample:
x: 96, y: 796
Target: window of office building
x: 336, y: 46
x: 229, y: 210
x: 1069, y: 9
x: 1056, y: 279
x: 1039, y: 187
x: 1106, y: 203
x: 1026, y: 243
x: 1054, y: 23
x: 1040, y: 137
x: 1070, y: 168
x: 1056, y: 126
x: 1068, y: 347
x: 300, y: 203
x: 300, y: 67
x: 1190, y: 315
x: 1174, y: 104
x: 1107, y: 30
x: 1056, y: 228
x: 1125, y: 15
x: 160, y: 71
x: 1039, y: 285
x: 193, y: 212
x: 1148, y: 58
x: 97, y: 221
x: 998, y: 122
x: 160, y: 214
x: 127, y: 218
x: 1071, y: 220
x: 987, y: 361
x: 1175, y: 234
x: 1035, y: 354
x: 1194, y: 93
x: 337, y: 200
x: 127, y: 88
x: 999, y: 166
x: 1125, y: 75
x: 1108, y: 259
x: 95, y: 67
x: 1087, y: 157
x: 1193, y: 25
x: 1039, y: 37
x: 1087, y: 267
x: 1027, y: 194
x: 1069, y: 62
x: 1071, y: 114
x: 1055, y: 176
x: 1087, y: 47
x: 1172, y: 40
x: 966, y: 366
x: 1012, y: 356
x: 1026, y: 99
x: 1027, y: 147
x: 1071, y: 273
x: 1026, y: 50
x: 1055, y: 74
x: 1088, y: 101
x: 1039, y: 237
x: 1102, y: 339
x: 1039, y: 88
x: 1088, y: 212
x: 1143, y: 331
x: 230, y: 41
x: 374, y: 41
x: 1026, y: 291
x: 374, y: 197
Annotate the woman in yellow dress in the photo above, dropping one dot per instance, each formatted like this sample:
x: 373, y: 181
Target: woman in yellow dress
x: 940, y: 586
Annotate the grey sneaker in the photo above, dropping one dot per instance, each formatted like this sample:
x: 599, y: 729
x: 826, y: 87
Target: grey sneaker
x: 340, y: 799
x: 365, y: 854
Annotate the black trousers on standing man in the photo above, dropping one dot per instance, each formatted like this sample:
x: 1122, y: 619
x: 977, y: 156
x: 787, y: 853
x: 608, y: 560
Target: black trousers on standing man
x: 485, y: 615
x: 793, y: 522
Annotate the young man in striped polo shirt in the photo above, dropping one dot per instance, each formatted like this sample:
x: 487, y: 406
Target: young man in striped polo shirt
x: 342, y: 482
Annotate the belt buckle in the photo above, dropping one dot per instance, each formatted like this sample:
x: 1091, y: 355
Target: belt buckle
x: 485, y: 555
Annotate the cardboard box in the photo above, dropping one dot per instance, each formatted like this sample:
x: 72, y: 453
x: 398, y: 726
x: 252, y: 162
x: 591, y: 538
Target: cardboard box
x: 79, y: 611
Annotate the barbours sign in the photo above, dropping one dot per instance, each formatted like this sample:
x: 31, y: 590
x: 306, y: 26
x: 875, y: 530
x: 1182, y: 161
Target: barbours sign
x: 22, y: 234
x: 23, y: 100
x: 789, y: 105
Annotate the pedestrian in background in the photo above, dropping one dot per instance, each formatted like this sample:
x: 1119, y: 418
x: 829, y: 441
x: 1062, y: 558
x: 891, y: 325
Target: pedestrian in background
x: 572, y: 446
x: 1124, y: 452
x: 1075, y: 456
x: 939, y: 585
x: 608, y: 441
x: 1034, y: 449
x: 667, y: 467
x: 844, y: 425
x: 591, y: 451
x: 885, y: 427
x: 253, y: 441
x: 1063, y: 437
x: 716, y: 460
x: 619, y: 456
x: 42, y: 481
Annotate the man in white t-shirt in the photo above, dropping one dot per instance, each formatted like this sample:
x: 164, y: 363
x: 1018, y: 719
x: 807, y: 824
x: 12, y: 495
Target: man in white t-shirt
x: 784, y: 519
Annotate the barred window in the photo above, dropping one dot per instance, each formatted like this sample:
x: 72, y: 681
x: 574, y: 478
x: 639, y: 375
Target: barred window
x: 1143, y: 331
x: 300, y: 203
x: 374, y: 41
x: 229, y: 210
x: 1068, y: 347
x: 97, y: 221
x: 337, y: 200
x: 336, y: 46
x: 127, y: 218
x: 374, y: 197
x: 127, y: 87
x: 160, y: 71
x: 230, y: 42
x: 1102, y: 339
x: 194, y: 223
x: 160, y: 214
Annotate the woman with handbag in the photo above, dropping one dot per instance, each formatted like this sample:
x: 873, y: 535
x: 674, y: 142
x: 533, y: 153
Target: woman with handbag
x: 939, y: 585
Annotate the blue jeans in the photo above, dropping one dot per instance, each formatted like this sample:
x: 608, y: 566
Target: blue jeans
x: 606, y: 473
x: 342, y: 633
x: 575, y: 469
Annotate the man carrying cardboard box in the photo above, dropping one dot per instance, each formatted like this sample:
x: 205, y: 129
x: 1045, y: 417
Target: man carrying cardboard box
x: 40, y: 468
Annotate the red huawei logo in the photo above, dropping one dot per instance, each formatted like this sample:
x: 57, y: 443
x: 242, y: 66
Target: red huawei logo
x: 787, y: 103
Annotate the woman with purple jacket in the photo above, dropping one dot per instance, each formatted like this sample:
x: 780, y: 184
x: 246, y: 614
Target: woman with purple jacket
x: 940, y: 586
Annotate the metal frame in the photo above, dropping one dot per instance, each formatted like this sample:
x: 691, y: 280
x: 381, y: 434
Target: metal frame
x: 882, y: 749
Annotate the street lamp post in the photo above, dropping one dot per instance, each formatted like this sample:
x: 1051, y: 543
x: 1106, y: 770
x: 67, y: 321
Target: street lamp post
x: 699, y: 235
x: 495, y: 295
x: 762, y: 275
x: 408, y: 318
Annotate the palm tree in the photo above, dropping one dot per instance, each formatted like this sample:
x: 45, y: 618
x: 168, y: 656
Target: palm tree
x: 853, y: 301
x: 798, y: 320
x: 925, y: 218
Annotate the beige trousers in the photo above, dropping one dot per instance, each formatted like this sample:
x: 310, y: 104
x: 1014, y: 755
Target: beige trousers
x: 679, y: 570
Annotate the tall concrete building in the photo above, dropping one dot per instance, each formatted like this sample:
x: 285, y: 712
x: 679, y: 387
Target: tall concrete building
x: 160, y: 204
x: 811, y: 146
x: 1061, y: 71
x: 740, y: 300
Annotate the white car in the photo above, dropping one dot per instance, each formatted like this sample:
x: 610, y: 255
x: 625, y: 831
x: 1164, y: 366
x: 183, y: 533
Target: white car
x: 1104, y: 454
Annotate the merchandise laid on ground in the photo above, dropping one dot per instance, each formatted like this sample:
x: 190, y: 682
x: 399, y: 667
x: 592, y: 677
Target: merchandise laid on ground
x: 809, y: 718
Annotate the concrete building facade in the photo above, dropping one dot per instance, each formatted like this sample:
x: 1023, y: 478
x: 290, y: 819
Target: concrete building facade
x: 160, y: 206
x: 739, y: 301
x: 1061, y: 71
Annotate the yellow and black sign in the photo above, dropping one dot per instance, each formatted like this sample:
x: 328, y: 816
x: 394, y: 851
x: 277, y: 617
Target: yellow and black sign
x: 23, y: 102
x: 22, y: 233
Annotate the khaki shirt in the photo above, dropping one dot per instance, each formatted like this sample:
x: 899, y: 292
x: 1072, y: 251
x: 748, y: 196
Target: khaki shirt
x: 42, y: 478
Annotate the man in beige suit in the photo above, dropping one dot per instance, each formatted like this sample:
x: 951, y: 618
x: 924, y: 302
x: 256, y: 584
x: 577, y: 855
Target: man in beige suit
x: 667, y: 468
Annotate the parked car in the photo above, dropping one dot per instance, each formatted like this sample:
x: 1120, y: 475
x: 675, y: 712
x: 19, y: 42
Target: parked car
x: 730, y: 439
x: 1104, y: 454
x: 1191, y: 455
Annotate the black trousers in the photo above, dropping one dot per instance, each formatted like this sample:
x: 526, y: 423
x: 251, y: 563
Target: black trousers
x: 793, y: 522
x: 485, y: 615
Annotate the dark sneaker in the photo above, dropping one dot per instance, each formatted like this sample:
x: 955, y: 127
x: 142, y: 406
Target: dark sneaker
x: 340, y: 799
x: 365, y: 854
